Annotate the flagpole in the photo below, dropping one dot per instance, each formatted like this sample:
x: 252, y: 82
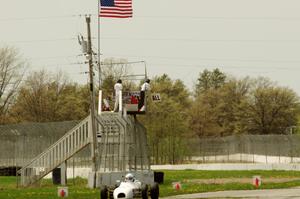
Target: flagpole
x: 99, y: 62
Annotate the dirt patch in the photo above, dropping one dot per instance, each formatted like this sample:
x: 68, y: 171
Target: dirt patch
x: 238, y: 180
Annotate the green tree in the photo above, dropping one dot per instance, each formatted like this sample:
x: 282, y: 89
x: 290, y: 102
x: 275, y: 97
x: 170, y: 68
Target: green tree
x: 209, y: 80
x: 271, y: 108
x: 205, y: 114
x: 255, y: 106
x: 232, y: 108
x: 166, y: 120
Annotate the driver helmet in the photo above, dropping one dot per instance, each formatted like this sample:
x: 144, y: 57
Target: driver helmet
x: 129, y: 178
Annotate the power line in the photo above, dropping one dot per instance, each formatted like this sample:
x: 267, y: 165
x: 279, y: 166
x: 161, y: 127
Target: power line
x: 54, y: 57
x: 222, y: 18
x: 173, y: 58
x: 224, y: 66
x: 42, y: 40
x: 57, y: 65
x: 271, y: 18
x: 160, y: 39
x: 45, y: 40
x: 121, y: 63
x: 157, y: 17
x: 240, y: 67
x: 209, y: 59
x: 199, y: 40
x: 40, y: 18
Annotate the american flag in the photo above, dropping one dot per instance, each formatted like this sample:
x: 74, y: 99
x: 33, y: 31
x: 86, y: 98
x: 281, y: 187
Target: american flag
x: 116, y: 8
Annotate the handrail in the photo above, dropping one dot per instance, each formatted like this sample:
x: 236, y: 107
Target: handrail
x: 73, y: 141
x: 55, y: 144
x: 113, y: 127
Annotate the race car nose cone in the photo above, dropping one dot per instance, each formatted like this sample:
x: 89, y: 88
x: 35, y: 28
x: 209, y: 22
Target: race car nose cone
x: 121, y: 195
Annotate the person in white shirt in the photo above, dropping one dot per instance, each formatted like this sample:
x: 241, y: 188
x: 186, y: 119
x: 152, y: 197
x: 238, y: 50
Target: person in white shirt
x: 145, y: 87
x: 118, y: 87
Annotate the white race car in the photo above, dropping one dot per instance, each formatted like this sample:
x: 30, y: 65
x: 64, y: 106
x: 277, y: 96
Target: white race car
x: 130, y: 188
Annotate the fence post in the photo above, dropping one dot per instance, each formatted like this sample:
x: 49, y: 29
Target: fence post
x: 252, y: 148
x: 279, y: 152
x: 292, y: 150
x: 266, y: 151
x: 240, y: 147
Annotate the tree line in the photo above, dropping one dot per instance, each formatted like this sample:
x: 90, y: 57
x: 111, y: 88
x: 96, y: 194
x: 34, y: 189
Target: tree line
x: 219, y: 104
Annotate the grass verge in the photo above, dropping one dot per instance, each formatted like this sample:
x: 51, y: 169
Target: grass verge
x: 78, y: 189
x: 190, y: 187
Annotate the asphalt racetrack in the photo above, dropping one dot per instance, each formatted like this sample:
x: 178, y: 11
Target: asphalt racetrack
x: 257, y: 194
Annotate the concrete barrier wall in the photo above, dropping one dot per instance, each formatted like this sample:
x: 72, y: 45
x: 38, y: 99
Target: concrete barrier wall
x: 83, y: 172
x: 241, y: 157
x: 229, y: 166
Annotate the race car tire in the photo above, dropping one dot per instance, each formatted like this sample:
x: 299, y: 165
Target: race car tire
x: 154, y: 191
x: 144, y: 190
x: 104, y: 192
x: 111, y: 194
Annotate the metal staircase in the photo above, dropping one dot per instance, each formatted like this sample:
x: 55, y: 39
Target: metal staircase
x: 111, y: 148
x: 72, y: 142
x: 122, y: 147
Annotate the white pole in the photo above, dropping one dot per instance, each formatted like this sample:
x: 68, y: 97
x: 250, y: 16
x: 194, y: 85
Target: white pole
x: 100, y: 102
x: 120, y: 101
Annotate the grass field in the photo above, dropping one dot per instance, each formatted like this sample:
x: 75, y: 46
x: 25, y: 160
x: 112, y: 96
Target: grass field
x: 191, y: 181
x: 187, y: 178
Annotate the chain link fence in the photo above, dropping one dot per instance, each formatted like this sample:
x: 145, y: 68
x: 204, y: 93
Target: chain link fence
x: 245, y: 148
x: 232, y: 149
x: 20, y: 143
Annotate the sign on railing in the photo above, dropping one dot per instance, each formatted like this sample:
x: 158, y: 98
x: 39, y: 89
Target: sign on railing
x: 156, y: 97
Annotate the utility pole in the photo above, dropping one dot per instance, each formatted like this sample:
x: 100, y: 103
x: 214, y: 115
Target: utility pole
x: 92, y: 100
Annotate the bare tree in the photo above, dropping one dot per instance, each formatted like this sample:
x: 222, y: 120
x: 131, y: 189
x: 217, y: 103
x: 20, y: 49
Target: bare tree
x: 12, y: 69
x: 39, y: 98
x: 45, y: 97
x: 114, y: 69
